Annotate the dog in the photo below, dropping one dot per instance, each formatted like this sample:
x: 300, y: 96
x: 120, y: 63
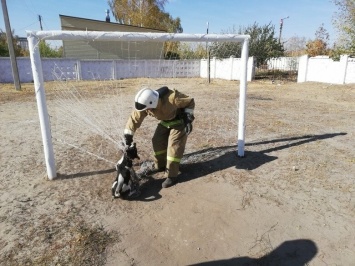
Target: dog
x: 126, y: 183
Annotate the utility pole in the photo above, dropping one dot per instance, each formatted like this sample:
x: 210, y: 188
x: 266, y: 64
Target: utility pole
x: 208, y: 58
x: 40, y: 21
x: 10, y: 45
x: 281, y: 25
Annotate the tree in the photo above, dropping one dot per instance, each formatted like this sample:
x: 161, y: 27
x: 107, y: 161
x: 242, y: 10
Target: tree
x: 316, y: 47
x: 344, y: 21
x: 295, y: 46
x: 186, y: 51
x: 262, y: 44
x: 4, y: 49
x: 46, y: 51
x: 319, y: 46
x: 144, y: 13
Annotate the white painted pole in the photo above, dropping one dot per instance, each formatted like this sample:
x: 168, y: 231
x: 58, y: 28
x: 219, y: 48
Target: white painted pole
x: 35, y: 36
x: 242, y: 98
x: 36, y: 64
x: 135, y: 36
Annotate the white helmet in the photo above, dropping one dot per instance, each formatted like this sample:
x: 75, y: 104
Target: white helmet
x: 146, y: 99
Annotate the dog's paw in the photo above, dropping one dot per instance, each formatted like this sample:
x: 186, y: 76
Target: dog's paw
x: 115, y: 192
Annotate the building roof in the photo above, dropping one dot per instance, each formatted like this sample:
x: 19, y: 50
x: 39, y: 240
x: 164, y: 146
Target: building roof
x: 76, y: 23
x: 97, y: 49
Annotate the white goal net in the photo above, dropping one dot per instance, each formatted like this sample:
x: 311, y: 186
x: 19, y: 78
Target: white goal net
x: 89, y: 93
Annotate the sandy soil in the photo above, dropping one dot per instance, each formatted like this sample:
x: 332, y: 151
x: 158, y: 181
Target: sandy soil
x: 290, y: 201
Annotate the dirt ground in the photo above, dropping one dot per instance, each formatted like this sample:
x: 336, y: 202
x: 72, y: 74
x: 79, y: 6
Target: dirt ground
x: 289, y: 201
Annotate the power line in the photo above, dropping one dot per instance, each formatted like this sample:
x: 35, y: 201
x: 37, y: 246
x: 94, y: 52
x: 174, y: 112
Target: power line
x: 33, y: 23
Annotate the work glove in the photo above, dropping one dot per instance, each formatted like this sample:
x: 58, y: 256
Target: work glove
x: 132, y: 152
x: 128, y: 138
x: 188, y: 119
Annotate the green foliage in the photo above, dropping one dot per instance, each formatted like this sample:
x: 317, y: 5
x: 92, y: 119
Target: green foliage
x: 262, y: 44
x: 4, y: 49
x: 46, y: 51
x: 170, y: 24
x: 44, y: 48
x: 190, y: 51
x: 337, y: 52
x: 181, y: 50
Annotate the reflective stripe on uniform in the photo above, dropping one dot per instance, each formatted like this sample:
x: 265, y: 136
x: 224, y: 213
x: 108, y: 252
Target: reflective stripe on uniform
x: 128, y: 131
x: 173, y: 159
x: 169, y: 124
x: 159, y: 152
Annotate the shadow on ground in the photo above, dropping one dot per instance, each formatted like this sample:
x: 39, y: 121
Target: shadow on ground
x: 84, y: 174
x: 208, y: 161
x: 211, y: 160
x: 290, y: 253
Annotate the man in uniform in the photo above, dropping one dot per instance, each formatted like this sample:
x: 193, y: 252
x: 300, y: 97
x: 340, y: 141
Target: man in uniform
x: 175, y: 112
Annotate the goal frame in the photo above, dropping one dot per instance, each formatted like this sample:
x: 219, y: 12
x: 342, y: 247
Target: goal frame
x: 34, y: 37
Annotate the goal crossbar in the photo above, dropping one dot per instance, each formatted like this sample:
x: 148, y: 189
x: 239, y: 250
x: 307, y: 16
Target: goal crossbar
x: 34, y: 37
x: 136, y: 36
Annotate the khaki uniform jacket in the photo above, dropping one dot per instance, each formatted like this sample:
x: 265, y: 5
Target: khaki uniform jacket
x: 168, y: 108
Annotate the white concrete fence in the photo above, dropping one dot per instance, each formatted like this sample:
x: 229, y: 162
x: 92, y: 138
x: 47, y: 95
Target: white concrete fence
x: 318, y: 69
x: 324, y: 69
x: 228, y: 69
x: 72, y: 69
x: 283, y: 63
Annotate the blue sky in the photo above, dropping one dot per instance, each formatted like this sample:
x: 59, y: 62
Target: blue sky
x: 305, y: 16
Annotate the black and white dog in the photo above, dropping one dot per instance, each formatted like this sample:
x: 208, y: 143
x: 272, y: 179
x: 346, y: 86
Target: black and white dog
x: 126, y: 183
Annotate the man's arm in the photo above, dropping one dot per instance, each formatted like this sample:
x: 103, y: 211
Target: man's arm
x: 133, y: 123
x: 188, y: 105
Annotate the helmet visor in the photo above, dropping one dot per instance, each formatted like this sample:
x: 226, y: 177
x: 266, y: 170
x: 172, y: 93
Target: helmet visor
x: 140, y: 107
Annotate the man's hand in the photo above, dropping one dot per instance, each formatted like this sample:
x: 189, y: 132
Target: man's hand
x: 188, y: 119
x: 132, y: 152
x: 188, y: 128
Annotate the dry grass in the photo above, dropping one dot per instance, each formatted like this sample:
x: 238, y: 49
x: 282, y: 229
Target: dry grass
x: 299, y: 158
x: 46, y: 243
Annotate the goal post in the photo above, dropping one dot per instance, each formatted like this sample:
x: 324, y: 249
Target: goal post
x: 34, y: 37
x: 38, y: 81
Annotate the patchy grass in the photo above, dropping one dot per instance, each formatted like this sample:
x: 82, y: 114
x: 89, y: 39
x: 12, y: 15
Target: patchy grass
x: 79, y: 244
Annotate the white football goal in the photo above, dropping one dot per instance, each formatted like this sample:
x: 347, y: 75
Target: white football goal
x: 93, y: 55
